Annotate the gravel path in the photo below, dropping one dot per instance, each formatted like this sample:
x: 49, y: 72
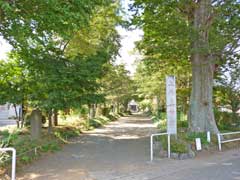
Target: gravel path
x: 120, y: 151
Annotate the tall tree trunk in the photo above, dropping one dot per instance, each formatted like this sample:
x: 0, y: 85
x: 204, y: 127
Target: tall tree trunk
x: 125, y: 105
x: 201, y: 116
x: 235, y: 107
x: 94, y: 110
x: 91, y: 111
x: 24, y: 110
x: 55, y: 118
x: 156, y: 105
x: 49, y: 122
x: 16, y: 113
x: 91, y: 114
x: 117, y: 110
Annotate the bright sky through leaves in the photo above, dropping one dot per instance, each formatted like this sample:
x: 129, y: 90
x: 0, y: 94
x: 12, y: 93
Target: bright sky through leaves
x: 128, y: 55
x: 4, y: 48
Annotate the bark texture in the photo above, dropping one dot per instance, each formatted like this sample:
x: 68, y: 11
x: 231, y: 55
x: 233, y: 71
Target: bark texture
x: 201, y: 116
x: 55, y: 117
x: 50, y: 122
x: 92, y: 111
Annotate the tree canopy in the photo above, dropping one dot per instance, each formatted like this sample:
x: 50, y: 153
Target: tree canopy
x: 202, y: 33
x: 59, y: 49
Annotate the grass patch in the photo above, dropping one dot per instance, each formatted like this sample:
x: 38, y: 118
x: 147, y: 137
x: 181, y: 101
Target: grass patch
x: 101, y: 120
x: 177, y: 145
x: 29, y: 150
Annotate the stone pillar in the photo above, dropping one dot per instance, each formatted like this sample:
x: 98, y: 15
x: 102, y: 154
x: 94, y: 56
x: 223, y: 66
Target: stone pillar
x: 36, y: 124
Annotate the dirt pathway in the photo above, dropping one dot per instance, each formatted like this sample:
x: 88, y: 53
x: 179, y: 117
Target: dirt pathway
x: 120, y: 151
x: 119, y: 147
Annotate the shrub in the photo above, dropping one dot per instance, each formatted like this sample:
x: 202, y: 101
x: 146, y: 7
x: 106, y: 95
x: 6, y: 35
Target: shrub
x: 8, y: 138
x: 105, y: 111
x: 66, y: 133
x: 95, y: 122
x: 177, y: 145
x: 112, y: 116
x: 193, y: 135
x: 182, y: 124
x: 50, y: 147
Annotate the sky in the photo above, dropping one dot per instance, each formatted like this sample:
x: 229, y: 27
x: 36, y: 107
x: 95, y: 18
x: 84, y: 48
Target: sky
x: 4, y: 48
x: 127, y: 53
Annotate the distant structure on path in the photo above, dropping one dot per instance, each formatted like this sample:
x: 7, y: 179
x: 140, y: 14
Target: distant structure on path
x: 133, y: 106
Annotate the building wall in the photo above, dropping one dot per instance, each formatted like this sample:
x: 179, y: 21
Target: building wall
x: 7, y: 111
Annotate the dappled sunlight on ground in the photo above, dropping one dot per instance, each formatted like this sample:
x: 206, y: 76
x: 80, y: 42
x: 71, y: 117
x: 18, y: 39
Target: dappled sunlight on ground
x: 120, y: 151
x: 126, y: 137
x: 126, y: 128
x: 130, y: 125
x: 121, y: 145
x: 79, y: 174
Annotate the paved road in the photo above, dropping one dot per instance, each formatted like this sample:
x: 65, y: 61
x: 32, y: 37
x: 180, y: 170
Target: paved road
x: 120, y: 151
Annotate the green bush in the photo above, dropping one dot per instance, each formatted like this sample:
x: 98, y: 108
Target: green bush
x: 84, y: 111
x: 67, y: 133
x: 7, y: 138
x: 50, y: 147
x: 112, y: 116
x: 105, y: 111
x: 155, y: 119
x: 227, y: 121
x: 192, y: 136
x: 177, y: 145
x: 127, y: 112
x: 96, y: 122
x: 182, y: 124
x: 101, y: 120
x: 121, y: 114
x: 25, y: 159
x: 223, y: 120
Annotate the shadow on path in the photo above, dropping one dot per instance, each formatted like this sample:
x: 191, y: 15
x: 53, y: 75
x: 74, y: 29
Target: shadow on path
x: 120, y: 146
x: 120, y: 151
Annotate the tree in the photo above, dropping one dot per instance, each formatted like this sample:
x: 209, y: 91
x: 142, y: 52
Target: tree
x: 117, y: 86
x: 203, y: 32
x: 43, y: 35
x: 14, y: 85
x: 150, y: 80
x: 228, y: 89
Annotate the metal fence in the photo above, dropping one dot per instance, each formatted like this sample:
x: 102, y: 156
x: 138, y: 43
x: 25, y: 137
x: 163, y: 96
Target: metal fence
x: 13, y: 174
x: 151, y: 143
x: 221, y: 140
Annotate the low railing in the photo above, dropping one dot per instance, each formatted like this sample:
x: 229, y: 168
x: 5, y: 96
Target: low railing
x: 220, y: 141
x: 13, y: 174
x: 151, y: 144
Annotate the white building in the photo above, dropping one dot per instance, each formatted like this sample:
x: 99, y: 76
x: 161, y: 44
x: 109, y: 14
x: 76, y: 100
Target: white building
x: 7, y: 111
x: 133, y: 106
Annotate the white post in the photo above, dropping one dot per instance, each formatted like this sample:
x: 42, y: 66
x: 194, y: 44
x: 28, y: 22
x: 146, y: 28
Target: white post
x: 219, y: 142
x: 13, y: 164
x: 169, y: 150
x: 151, y: 147
x: 13, y: 161
x: 208, y: 136
x: 198, y: 144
